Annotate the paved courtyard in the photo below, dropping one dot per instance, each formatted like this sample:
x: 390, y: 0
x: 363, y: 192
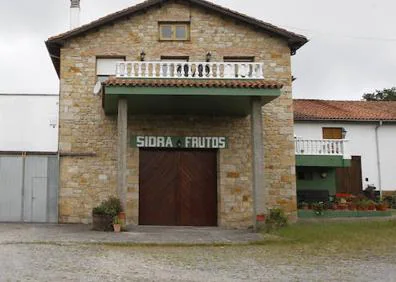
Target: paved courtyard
x: 55, y: 253
x: 79, y: 233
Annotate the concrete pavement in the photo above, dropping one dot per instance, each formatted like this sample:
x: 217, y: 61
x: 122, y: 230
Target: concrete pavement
x: 78, y: 233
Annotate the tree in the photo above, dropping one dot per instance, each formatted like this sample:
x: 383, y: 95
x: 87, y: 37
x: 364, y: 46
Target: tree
x: 387, y: 94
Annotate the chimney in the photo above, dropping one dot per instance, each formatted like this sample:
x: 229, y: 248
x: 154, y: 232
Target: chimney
x: 74, y: 14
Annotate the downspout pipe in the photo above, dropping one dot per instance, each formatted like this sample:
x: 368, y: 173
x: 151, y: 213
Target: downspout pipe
x: 380, y: 123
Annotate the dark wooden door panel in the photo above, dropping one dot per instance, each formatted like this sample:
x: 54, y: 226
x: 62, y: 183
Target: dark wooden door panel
x: 157, y: 187
x: 178, y: 187
x: 349, y: 179
x: 198, y: 188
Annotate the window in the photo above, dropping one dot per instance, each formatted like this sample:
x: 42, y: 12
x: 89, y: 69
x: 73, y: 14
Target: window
x: 332, y: 132
x: 304, y: 174
x: 106, y: 67
x: 174, y: 31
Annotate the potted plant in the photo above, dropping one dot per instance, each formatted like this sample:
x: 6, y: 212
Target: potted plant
x: 381, y: 206
x: 362, y: 205
x: 371, y: 205
x: 352, y: 206
x: 103, y: 215
x: 117, y: 224
x: 319, y: 208
x: 342, y: 204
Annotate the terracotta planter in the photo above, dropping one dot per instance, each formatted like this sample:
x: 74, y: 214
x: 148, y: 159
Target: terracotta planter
x: 123, y: 222
x: 117, y: 228
x: 260, y: 218
x: 381, y: 208
x: 351, y: 207
x: 122, y: 216
x: 102, y: 222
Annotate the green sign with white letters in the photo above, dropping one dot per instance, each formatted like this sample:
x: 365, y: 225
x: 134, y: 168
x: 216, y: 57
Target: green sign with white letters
x: 185, y: 142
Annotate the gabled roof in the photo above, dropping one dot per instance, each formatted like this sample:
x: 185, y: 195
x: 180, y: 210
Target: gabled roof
x: 325, y: 110
x: 54, y: 43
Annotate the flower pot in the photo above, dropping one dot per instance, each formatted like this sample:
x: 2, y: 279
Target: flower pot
x: 122, y: 219
x: 260, y: 218
x: 117, y: 228
x: 102, y: 222
x: 351, y: 207
x: 381, y: 207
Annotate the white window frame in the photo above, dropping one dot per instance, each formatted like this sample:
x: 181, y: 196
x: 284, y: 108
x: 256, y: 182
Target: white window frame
x: 173, y: 26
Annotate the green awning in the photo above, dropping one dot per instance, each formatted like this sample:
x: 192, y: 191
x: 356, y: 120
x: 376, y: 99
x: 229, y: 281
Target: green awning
x: 185, y: 100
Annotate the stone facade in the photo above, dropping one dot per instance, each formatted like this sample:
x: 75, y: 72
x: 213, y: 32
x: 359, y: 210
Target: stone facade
x: 88, y: 138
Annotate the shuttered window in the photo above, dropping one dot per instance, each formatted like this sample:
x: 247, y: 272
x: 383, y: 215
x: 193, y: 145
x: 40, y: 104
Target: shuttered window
x: 332, y: 132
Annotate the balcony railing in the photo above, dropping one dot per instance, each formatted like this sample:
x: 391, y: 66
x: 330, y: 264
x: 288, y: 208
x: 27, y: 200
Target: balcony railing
x: 324, y: 147
x: 190, y: 70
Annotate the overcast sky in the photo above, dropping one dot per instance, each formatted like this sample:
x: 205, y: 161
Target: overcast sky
x: 352, y: 46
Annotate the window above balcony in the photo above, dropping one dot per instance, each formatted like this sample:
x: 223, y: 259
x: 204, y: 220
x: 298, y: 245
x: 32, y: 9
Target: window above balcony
x: 174, y: 31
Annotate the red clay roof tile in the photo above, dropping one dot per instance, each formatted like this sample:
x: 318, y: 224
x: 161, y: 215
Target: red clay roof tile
x: 253, y: 84
x: 344, y: 110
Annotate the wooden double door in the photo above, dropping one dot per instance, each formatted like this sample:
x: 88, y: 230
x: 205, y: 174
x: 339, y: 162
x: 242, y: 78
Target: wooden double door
x: 178, y: 187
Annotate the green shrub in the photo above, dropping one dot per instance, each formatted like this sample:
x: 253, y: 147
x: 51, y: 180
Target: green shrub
x: 320, y: 207
x: 275, y: 220
x: 111, y: 206
x: 99, y: 210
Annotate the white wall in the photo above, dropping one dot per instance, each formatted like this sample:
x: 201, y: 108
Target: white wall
x: 25, y: 123
x: 362, y: 142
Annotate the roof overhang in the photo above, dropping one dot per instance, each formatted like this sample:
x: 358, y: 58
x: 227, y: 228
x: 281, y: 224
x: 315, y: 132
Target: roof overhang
x: 295, y: 41
x: 185, y: 100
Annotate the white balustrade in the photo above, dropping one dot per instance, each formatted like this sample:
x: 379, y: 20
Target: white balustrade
x: 326, y: 147
x: 190, y: 70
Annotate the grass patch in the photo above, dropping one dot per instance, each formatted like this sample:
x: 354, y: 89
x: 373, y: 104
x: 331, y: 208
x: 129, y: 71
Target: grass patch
x: 342, y: 236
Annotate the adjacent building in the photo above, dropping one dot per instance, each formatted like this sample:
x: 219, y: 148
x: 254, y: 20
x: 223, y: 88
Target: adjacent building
x: 360, y: 133
x: 28, y: 157
x: 183, y: 109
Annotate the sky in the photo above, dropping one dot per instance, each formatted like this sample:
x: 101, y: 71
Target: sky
x: 352, y: 48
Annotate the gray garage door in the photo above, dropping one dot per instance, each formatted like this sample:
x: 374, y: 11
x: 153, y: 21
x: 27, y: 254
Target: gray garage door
x: 29, y: 189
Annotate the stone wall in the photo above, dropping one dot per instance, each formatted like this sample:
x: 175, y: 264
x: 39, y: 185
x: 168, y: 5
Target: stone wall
x: 234, y: 163
x: 84, y: 128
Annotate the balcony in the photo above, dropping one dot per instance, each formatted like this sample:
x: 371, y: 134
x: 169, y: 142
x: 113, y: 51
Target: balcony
x: 187, y: 88
x: 190, y: 70
x: 322, y: 152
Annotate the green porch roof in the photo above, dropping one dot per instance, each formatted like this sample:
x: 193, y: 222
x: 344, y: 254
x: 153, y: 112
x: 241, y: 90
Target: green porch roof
x: 322, y: 161
x: 198, y: 97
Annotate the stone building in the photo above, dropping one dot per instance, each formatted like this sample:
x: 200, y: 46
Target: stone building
x: 183, y: 109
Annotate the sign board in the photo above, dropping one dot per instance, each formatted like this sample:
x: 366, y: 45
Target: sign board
x: 185, y: 142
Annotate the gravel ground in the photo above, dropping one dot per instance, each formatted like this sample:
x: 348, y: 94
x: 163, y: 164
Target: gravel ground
x: 75, y: 262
